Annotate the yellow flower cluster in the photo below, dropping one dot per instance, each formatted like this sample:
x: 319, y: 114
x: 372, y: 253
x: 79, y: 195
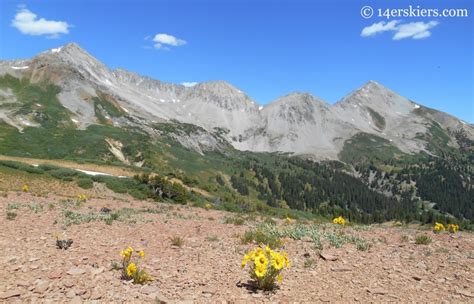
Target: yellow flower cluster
x: 25, y: 188
x: 126, y: 253
x: 207, y: 206
x: 453, y: 228
x: 339, y: 221
x: 266, y: 266
x: 82, y: 197
x: 438, y: 227
x: 289, y: 220
x: 130, y: 269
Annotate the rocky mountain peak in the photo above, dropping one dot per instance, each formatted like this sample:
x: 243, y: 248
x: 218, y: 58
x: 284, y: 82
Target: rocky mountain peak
x: 222, y: 94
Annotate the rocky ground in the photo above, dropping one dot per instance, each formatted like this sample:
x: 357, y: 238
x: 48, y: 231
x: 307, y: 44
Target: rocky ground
x: 206, y: 268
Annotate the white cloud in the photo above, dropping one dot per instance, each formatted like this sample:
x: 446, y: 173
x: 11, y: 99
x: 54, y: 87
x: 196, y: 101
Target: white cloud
x: 413, y: 30
x: 379, y: 27
x: 163, y: 41
x: 28, y: 23
x: 189, y: 84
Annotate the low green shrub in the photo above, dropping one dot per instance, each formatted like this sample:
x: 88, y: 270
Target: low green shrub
x: 85, y: 183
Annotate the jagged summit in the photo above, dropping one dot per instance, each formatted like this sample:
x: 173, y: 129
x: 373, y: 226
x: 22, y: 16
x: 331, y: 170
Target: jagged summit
x: 299, y: 122
x: 222, y: 94
x: 295, y: 98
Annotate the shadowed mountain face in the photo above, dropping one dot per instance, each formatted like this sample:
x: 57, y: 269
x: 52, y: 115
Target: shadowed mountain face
x: 298, y: 123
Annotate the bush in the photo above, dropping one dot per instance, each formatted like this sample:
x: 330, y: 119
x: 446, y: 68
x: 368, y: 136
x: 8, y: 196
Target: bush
x: 85, y: 183
x: 21, y: 166
x: 65, y: 174
x: 11, y: 215
x: 422, y: 239
x: 236, y: 220
x: 177, y: 241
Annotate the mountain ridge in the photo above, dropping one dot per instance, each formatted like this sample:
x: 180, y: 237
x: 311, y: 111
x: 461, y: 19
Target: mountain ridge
x: 297, y: 123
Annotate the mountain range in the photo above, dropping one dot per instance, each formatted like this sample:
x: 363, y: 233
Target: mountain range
x: 298, y: 123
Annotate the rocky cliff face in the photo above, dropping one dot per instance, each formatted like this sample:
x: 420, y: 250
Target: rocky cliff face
x: 297, y: 123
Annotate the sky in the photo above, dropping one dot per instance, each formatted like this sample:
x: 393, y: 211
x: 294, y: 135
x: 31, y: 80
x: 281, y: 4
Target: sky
x: 265, y: 48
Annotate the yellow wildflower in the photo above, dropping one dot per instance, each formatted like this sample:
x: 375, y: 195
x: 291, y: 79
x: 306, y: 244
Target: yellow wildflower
x: 131, y: 269
x: 25, y: 188
x: 246, y: 258
x: 260, y: 271
x: 339, y: 220
x: 127, y: 253
x: 141, y: 253
x: 261, y: 261
x: 439, y: 227
x: 278, y: 261
x: 279, y: 278
x: 453, y: 228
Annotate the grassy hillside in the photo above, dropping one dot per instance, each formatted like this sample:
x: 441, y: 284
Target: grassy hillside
x: 228, y: 179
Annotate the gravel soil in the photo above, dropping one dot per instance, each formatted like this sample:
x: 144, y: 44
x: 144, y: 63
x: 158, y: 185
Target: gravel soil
x: 206, y: 268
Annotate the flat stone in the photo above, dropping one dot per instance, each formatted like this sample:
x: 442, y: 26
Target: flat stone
x: 96, y: 271
x: 42, y: 286
x: 70, y: 294
x: 12, y: 259
x: 377, y: 291
x: 465, y: 293
x: 341, y: 269
x: 416, y: 278
x: 75, y: 271
x: 327, y: 256
x: 147, y: 289
x: 10, y: 294
x: 96, y: 294
x: 161, y: 299
x: 57, y: 274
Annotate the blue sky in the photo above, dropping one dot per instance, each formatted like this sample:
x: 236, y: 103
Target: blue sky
x: 265, y: 48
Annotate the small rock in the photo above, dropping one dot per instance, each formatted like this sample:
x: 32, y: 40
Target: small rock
x: 340, y: 269
x: 75, y: 271
x: 257, y: 295
x: 10, y: 294
x: 68, y: 284
x: 70, y: 294
x: 161, y: 299
x: 42, y: 286
x: 96, y: 294
x: 12, y: 259
x: 80, y: 292
x: 416, y: 278
x: 328, y: 257
x: 421, y: 265
x: 377, y: 291
x: 147, y: 289
x: 465, y: 293
x: 96, y: 271
x: 57, y: 274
